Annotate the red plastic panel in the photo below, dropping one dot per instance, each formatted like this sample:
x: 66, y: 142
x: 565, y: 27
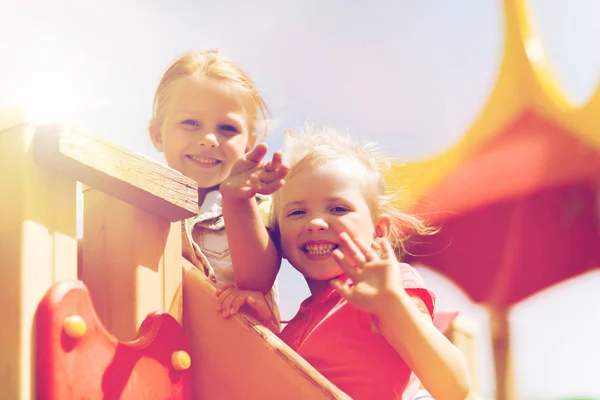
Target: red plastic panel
x: 98, y: 366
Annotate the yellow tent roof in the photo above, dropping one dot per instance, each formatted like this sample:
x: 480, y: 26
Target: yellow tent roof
x: 525, y: 83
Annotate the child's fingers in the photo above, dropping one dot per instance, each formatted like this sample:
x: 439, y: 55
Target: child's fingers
x: 347, y: 266
x: 257, y: 153
x: 367, y: 251
x: 376, y: 246
x: 348, y: 244
x: 269, y: 188
x: 351, y: 250
x: 238, y: 302
x: 388, y: 251
x: 225, y: 298
x: 276, y: 161
x: 221, y: 289
x: 268, y: 167
x: 222, y: 293
x: 228, y: 302
x: 269, y: 176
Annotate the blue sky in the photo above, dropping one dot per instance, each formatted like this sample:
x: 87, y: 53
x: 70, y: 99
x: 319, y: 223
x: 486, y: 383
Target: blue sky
x: 410, y: 74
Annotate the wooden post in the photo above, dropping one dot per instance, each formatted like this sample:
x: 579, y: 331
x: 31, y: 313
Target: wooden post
x: 131, y: 262
x: 505, y: 389
x: 462, y: 332
x: 131, y: 248
x: 37, y: 248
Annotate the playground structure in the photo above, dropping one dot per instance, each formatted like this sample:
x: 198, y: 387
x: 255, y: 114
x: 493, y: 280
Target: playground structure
x: 88, y: 318
x: 130, y: 256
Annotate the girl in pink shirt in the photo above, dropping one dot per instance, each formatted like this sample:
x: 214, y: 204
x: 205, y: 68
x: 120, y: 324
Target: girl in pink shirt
x: 367, y: 326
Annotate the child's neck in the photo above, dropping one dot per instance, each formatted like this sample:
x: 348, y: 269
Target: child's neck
x: 317, y: 287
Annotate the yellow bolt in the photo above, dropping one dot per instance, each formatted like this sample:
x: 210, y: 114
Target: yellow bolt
x: 74, y: 326
x: 181, y: 360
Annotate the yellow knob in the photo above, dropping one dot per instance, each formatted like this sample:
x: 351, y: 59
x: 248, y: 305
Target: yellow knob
x: 74, y: 326
x: 181, y: 360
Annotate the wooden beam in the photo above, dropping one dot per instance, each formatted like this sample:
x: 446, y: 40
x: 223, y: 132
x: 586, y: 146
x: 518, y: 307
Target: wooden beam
x: 116, y: 171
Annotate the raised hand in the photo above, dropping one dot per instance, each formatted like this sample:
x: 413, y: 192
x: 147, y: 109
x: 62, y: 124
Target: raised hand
x: 377, y: 278
x: 250, y: 175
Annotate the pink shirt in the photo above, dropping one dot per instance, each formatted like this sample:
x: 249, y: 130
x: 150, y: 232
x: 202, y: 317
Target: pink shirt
x: 336, y: 339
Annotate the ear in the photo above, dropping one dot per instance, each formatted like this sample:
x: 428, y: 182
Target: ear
x: 383, y: 227
x: 155, y: 135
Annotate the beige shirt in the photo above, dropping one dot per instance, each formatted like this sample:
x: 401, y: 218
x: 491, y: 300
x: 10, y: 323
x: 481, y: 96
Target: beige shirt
x: 204, y: 243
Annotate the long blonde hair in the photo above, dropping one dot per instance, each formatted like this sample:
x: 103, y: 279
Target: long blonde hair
x: 214, y: 65
x: 315, y: 147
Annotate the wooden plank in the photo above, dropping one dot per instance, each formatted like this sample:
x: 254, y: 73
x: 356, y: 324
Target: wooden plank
x: 239, y: 359
x: 37, y: 246
x: 500, y: 327
x: 114, y: 170
x: 171, y: 267
x: 131, y: 261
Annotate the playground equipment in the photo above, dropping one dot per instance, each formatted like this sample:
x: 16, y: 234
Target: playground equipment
x: 55, y: 343
x: 88, y: 318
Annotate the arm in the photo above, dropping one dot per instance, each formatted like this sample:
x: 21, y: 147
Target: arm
x: 408, y: 328
x: 404, y: 321
x: 255, y: 258
x: 253, y: 253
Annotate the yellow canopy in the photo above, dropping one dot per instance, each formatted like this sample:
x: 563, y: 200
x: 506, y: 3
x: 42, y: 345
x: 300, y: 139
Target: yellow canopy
x: 525, y: 83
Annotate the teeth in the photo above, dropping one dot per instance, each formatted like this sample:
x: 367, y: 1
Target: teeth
x: 320, y: 249
x: 204, y: 160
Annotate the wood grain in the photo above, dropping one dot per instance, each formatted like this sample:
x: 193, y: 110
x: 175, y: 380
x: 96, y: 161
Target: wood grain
x: 116, y: 171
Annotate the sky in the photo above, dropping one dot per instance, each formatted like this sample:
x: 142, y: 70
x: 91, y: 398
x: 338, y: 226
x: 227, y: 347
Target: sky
x: 410, y: 74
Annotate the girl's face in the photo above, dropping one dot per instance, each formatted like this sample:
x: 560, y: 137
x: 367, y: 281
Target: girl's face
x: 203, y: 129
x: 316, y: 205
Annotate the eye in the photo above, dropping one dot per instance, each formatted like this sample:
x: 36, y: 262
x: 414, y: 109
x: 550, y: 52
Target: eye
x: 228, y: 129
x: 190, y: 123
x: 294, y: 213
x: 340, y: 209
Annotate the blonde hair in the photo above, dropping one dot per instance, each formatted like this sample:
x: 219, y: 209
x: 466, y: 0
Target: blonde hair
x: 313, y: 148
x: 214, y: 65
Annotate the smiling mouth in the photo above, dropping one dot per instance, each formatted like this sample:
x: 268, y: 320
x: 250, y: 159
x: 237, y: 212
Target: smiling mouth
x: 320, y: 249
x: 204, y: 160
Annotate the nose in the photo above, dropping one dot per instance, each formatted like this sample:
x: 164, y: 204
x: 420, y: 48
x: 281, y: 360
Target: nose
x: 208, y: 140
x: 317, y: 224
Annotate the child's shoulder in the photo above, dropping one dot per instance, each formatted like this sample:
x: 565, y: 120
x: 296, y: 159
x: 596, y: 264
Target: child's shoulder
x: 415, y: 286
x: 410, y: 276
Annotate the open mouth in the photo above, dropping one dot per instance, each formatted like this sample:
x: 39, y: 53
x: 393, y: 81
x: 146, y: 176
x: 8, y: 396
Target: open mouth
x: 203, y: 160
x: 319, y: 249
